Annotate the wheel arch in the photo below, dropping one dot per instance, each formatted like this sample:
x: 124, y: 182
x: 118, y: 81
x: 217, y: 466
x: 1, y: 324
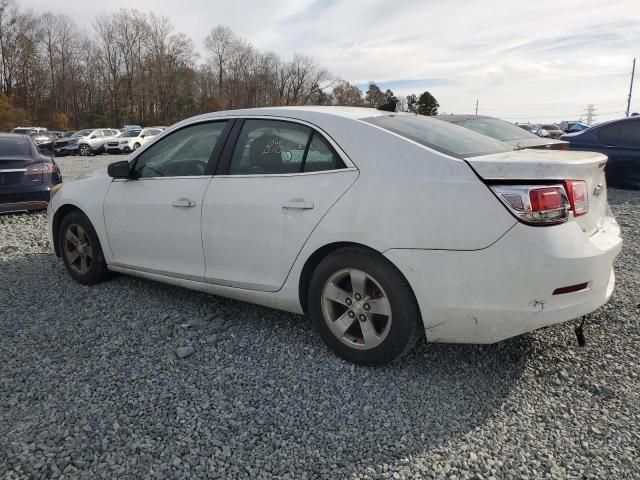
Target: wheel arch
x: 62, y: 211
x: 316, y: 257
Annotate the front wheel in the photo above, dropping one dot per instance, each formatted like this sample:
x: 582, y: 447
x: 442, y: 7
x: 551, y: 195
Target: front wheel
x: 136, y: 146
x: 363, y: 307
x: 81, y: 250
x: 85, y: 150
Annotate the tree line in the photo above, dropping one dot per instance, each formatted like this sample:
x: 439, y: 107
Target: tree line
x: 134, y: 67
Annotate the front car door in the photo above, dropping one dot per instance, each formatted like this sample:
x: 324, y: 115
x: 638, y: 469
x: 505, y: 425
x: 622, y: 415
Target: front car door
x: 625, y: 169
x: 153, y: 220
x: 272, y: 187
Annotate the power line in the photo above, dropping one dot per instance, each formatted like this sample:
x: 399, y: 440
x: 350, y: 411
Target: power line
x: 633, y: 71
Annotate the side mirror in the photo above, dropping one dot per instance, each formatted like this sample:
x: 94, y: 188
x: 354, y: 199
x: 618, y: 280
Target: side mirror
x: 119, y: 169
x: 92, y: 136
x: 142, y: 136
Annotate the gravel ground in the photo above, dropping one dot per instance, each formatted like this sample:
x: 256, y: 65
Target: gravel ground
x: 135, y: 379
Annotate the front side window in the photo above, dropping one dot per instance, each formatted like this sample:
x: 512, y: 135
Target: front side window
x: 441, y: 136
x: 271, y: 147
x: 185, y: 152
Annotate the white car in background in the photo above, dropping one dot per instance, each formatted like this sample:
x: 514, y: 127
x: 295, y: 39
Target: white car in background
x: 85, y: 142
x: 384, y: 227
x: 133, y: 139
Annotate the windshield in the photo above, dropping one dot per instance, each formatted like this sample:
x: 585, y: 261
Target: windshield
x: 130, y: 133
x: 438, y: 135
x: 82, y: 133
x: 18, y: 146
x: 496, y: 128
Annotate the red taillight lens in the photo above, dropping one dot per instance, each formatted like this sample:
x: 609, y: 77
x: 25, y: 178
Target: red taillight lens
x: 548, y: 198
x: 578, y: 196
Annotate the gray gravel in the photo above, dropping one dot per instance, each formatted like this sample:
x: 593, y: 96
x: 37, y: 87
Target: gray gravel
x: 92, y: 386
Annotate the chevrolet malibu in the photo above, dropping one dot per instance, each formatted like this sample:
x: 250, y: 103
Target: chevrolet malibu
x: 384, y: 227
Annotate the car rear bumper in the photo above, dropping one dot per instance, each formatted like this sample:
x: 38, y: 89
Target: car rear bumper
x: 24, y: 199
x: 507, y: 289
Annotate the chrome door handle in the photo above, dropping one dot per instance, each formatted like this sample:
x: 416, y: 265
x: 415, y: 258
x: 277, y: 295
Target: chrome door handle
x: 184, y: 203
x: 298, y: 204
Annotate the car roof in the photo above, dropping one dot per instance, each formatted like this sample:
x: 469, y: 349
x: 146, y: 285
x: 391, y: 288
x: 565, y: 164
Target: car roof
x: 305, y: 112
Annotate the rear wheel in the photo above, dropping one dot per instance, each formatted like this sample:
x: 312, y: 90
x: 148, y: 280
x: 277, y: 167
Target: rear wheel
x: 81, y: 250
x: 363, y: 307
x: 85, y: 150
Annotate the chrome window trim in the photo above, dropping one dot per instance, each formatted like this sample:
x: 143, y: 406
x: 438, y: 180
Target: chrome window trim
x: 10, y: 170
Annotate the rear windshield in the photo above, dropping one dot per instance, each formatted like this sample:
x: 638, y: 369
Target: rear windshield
x: 18, y: 147
x: 438, y: 135
x: 496, y: 128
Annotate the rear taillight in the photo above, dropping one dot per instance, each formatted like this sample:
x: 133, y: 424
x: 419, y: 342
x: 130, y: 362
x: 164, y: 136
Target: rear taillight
x: 578, y: 196
x: 535, y: 204
x: 40, y: 169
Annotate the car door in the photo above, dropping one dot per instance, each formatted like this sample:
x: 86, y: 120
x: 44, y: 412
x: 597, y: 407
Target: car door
x: 625, y: 169
x: 153, y: 219
x: 274, y: 184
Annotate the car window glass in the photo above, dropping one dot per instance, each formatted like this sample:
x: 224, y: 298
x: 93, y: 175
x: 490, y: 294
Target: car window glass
x: 498, y: 129
x: 97, y: 133
x: 441, y: 136
x: 269, y: 147
x: 630, y: 133
x: 609, y: 135
x: 321, y: 156
x: 183, y: 153
x: 18, y: 146
x: 106, y: 133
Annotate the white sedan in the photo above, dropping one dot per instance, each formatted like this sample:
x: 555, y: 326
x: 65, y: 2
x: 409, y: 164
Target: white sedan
x: 384, y: 227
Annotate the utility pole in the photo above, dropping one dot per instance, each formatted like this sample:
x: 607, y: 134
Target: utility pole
x: 633, y: 71
x: 477, y: 107
x: 590, y: 111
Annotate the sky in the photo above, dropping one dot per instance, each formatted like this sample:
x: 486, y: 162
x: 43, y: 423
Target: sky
x: 531, y: 60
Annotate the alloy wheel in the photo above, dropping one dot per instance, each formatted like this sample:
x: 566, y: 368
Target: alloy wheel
x: 77, y: 249
x: 136, y: 146
x: 84, y: 150
x: 356, y: 309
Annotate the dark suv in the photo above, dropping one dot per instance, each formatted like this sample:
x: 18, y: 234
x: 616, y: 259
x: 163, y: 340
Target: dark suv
x: 620, y: 141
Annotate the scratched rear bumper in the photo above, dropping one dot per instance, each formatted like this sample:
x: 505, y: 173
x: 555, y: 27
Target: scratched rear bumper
x: 505, y: 290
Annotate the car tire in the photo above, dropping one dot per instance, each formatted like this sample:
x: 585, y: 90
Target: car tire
x: 80, y: 249
x: 374, y: 332
x: 136, y: 146
x: 84, y: 150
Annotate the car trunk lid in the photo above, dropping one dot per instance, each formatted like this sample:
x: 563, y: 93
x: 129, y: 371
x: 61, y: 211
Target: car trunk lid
x: 15, y: 171
x: 553, y: 167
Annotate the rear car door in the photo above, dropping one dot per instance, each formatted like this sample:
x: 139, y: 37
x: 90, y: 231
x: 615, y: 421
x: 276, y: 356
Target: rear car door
x: 625, y: 167
x: 273, y: 186
x: 153, y: 220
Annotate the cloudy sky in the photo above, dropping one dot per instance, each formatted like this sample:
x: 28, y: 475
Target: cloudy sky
x: 537, y: 60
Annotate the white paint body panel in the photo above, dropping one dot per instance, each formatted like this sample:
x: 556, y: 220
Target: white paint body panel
x: 478, y: 274
x: 146, y: 231
x: 250, y: 239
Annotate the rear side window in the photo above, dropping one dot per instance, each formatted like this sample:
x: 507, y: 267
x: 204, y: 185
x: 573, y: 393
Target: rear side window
x: 271, y: 147
x: 609, y: 135
x: 630, y: 133
x: 18, y: 146
x: 441, y: 136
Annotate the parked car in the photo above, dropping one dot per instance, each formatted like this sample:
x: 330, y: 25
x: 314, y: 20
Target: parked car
x: 130, y: 143
x: 620, y: 141
x: 26, y: 176
x: 504, y: 131
x: 44, y: 141
x: 570, y: 127
x: 385, y: 227
x: 28, y: 130
x: 550, y: 130
x: 122, y: 143
x: 85, y: 142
